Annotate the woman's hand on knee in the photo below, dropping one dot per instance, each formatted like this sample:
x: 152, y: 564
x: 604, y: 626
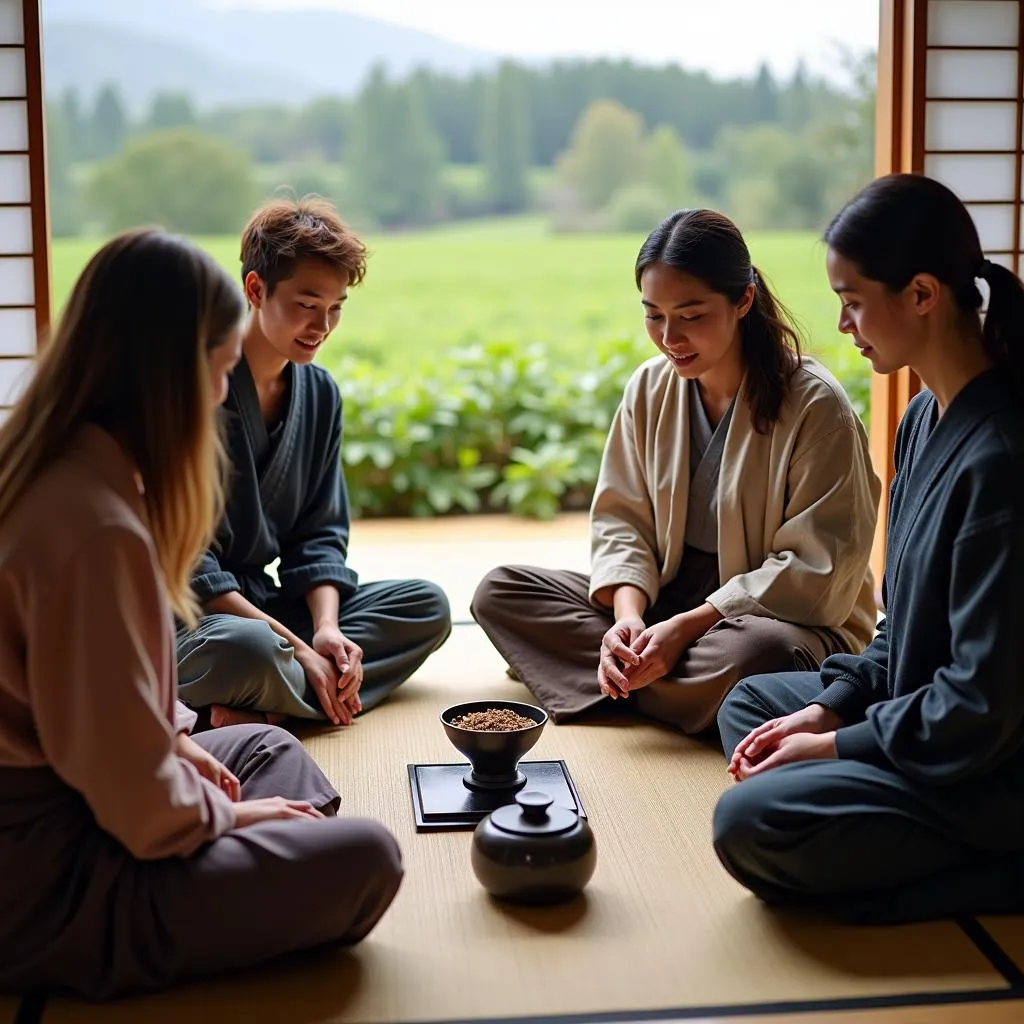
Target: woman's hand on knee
x: 273, y: 808
x: 798, y: 746
x: 617, y: 655
x: 660, y: 647
x: 208, y: 766
x: 758, y: 745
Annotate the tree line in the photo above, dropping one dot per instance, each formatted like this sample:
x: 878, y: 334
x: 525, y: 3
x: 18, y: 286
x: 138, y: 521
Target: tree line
x: 595, y: 144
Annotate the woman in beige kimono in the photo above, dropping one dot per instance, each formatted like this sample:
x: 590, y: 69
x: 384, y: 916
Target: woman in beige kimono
x: 132, y: 855
x: 732, y: 523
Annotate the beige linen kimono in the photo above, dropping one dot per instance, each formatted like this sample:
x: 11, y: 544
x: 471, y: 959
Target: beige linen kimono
x: 796, y: 517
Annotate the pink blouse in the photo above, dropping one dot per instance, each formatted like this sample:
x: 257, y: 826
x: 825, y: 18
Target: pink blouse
x: 88, y: 673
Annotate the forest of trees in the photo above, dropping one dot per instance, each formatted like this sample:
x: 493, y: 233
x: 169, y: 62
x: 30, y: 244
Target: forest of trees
x: 593, y: 144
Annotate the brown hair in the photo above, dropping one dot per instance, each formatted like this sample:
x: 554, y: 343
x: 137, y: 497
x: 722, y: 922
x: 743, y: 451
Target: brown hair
x: 130, y: 355
x: 285, y: 232
x: 709, y: 246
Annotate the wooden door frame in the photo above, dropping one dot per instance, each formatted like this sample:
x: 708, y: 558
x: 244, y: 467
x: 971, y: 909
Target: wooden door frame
x: 899, y: 147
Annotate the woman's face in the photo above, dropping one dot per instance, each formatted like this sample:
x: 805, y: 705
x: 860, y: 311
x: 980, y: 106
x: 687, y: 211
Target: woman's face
x: 222, y: 360
x: 887, y: 327
x: 694, y: 327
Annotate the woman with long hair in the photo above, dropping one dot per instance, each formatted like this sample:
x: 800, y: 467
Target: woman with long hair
x: 132, y: 855
x: 733, y: 518
x: 889, y: 785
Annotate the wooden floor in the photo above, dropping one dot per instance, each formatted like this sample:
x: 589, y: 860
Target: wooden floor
x: 661, y: 932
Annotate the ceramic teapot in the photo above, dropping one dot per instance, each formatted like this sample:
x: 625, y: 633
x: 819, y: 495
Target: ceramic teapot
x: 533, y: 851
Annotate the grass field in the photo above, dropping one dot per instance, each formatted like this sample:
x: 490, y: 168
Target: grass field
x: 432, y: 291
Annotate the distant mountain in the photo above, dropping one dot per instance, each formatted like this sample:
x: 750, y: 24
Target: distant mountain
x: 226, y: 54
x: 86, y: 56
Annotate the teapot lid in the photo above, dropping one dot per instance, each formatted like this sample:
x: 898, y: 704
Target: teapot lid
x: 533, y: 815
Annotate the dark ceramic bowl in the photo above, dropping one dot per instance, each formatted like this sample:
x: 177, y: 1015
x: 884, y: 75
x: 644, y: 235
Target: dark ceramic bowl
x: 495, y: 756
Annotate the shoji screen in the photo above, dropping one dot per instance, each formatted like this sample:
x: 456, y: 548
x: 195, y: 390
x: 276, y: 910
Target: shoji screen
x: 24, y: 241
x: 972, y: 115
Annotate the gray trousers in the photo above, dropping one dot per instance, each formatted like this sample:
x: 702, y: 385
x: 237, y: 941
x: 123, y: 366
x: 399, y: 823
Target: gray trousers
x: 243, y: 663
x: 860, y: 842
x: 80, y: 915
x: 544, y: 625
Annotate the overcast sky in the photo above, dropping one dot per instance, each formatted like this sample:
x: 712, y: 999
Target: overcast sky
x: 725, y: 37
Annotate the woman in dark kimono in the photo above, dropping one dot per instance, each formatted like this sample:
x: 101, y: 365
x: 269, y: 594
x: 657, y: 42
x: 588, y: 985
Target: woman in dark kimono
x: 889, y: 786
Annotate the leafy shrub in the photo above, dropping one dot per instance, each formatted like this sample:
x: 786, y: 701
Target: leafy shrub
x: 494, y: 427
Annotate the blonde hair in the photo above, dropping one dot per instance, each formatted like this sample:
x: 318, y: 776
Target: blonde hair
x: 130, y: 356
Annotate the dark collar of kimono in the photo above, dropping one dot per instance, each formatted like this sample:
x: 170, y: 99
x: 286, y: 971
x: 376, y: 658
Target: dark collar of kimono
x: 984, y: 396
x: 273, y: 472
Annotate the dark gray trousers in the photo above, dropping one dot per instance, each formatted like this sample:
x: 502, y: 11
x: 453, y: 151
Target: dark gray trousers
x: 80, y: 915
x: 861, y: 842
x: 243, y: 663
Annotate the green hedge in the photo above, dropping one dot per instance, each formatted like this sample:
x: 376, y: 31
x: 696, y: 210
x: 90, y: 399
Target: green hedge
x: 496, y: 427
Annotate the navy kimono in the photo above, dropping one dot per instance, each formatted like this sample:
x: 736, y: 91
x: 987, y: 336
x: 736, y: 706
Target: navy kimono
x: 287, y: 501
x: 921, y: 814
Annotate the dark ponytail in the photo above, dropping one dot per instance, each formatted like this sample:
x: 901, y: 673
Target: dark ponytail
x: 1004, y: 321
x: 709, y: 246
x: 901, y: 225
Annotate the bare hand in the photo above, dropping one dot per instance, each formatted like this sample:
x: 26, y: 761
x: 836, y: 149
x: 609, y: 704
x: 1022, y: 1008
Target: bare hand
x: 617, y: 654
x: 208, y: 766
x: 273, y: 808
x: 760, y: 743
x: 331, y: 643
x: 797, y: 746
x: 322, y: 676
x: 660, y: 646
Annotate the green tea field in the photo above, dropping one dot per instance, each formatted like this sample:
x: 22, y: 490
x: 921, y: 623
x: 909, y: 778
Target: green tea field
x: 429, y: 292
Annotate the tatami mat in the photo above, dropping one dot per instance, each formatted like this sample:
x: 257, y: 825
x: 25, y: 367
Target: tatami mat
x: 661, y: 925
x: 457, y: 552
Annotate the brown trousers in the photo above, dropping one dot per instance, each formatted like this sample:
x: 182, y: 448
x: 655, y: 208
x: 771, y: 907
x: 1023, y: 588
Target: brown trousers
x: 544, y: 625
x: 80, y: 915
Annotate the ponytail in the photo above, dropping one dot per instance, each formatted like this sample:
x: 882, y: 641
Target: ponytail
x: 771, y: 350
x: 1003, y: 331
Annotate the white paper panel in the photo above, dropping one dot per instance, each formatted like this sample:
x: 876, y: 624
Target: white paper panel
x: 966, y: 73
x: 973, y: 177
x: 12, y: 28
x: 14, y: 376
x: 17, y: 286
x: 15, y: 184
x: 16, y: 230
x: 12, y: 73
x: 981, y: 126
x: 995, y: 226
x: 972, y: 23
x: 17, y: 332
x: 13, y: 125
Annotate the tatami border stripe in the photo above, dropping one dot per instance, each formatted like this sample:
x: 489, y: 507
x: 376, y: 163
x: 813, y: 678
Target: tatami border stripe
x: 1000, y: 995
x: 32, y: 1009
x: 993, y: 952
